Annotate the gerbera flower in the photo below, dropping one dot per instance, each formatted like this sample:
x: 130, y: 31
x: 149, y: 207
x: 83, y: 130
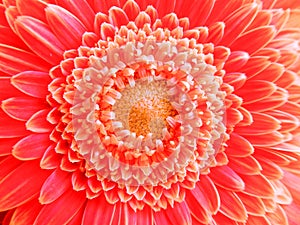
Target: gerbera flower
x: 149, y: 112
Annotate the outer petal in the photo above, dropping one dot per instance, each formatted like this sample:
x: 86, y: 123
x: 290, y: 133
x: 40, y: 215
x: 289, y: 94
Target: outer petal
x: 21, y: 185
x: 71, y: 202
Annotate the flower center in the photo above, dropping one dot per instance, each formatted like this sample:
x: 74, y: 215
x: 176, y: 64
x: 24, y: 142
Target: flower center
x: 149, y: 116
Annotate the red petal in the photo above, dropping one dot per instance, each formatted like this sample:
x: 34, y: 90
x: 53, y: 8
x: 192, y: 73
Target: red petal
x: 7, y: 90
x: 7, y: 165
x: 69, y: 204
x: 55, y: 186
x: 14, y: 60
x: 98, y: 210
x: 10, y: 127
x: 145, y: 216
x: 236, y: 80
x: 164, y: 7
x: 81, y: 9
x: 31, y: 147
x: 247, y: 165
x: 6, y: 145
x: 62, y: 22
x: 238, y: 146
x: 21, y: 185
x: 22, y: 108
x: 270, y: 169
x: 178, y: 215
x: 216, y: 32
x: 39, y: 39
x: 38, y: 122
x: 225, y: 177
x: 263, y: 89
x: 272, y: 73
x: 237, y: 22
x: 32, y: 83
x: 276, y: 100
x: 264, y: 190
x: 254, y: 220
x: 50, y: 159
x: 271, y: 139
x: 199, y: 11
x: 198, y: 205
x: 249, y: 42
x: 9, y: 38
x: 117, y: 16
x: 26, y: 213
x: 132, y: 9
x: 229, y: 201
x: 208, y: 188
x: 253, y: 205
x: 263, y: 124
x: 278, y: 217
x: 32, y: 8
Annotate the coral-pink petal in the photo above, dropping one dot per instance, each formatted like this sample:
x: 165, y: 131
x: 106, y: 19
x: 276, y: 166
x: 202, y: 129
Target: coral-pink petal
x: 10, y: 127
x: 254, y: 205
x: 55, y: 186
x: 292, y: 212
x: 263, y: 124
x: 8, y: 164
x: 236, y: 60
x: 145, y: 216
x: 31, y: 147
x: 263, y: 18
x: 6, y: 145
x: 229, y: 201
x: 26, y: 213
x: 70, y: 202
x: 255, y: 65
x: 40, y: 39
x: 50, y: 159
x: 272, y: 73
x: 215, y: 32
x: 132, y: 9
x: 271, y: 139
x: 199, y: 12
x: 21, y: 185
x: 222, y: 9
x: 177, y: 215
x: 276, y: 100
x: 98, y: 209
x: 117, y: 16
x: 38, y: 122
x: 165, y: 7
x: 127, y: 215
x: 67, y: 28
x: 8, y: 37
x: 14, y: 60
x: 22, y: 108
x: 249, y: 43
x: 81, y: 9
x: 264, y: 190
x: 236, y: 80
x: 198, y: 205
x: 32, y: 8
x: 225, y: 177
x: 263, y: 89
x: 222, y: 219
x: 33, y: 83
x: 261, y: 220
x: 237, y: 22
x: 208, y: 188
x: 247, y: 165
x: 278, y: 217
x: 238, y: 146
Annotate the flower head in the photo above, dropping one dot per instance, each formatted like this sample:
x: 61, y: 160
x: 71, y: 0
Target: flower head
x: 149, y: 112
